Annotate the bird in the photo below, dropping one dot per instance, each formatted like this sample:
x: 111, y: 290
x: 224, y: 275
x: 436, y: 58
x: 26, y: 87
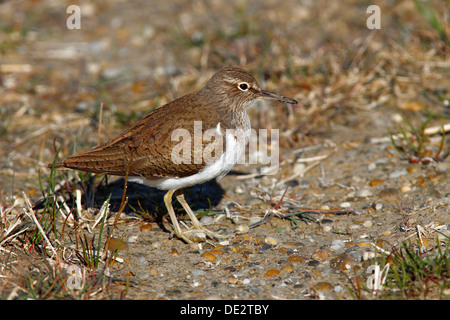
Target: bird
x: 149, y: 150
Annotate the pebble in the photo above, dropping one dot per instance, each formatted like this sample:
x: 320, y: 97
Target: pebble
x: 321, y: 254
x: 156, y: 245
x: 337, y: 245
x: 216, y: 251
x: 198, y: 237
x: 375, y: 182
x: 368, y: 224
x: 313, y: 263
x: 295, y: 258
x: 209, y: 257
x: 299, y: 168
x: 397, y: 174
x: 345, y: 205
x: 198, y: 273
x: 406, y: 187
x: 338, y: 288
x: 345, y: 262
x: 239, y: 190
x: 206, y: 220
x: 378, y: 206
x: 153, y: 272
x: 255, y: 219
x: 323, y: 286
x: 270, y: 240
x: 132, y: 239
x: 363, y: 193
x: 146, y: 227
x: 272, y: 272
x: 242, y: 228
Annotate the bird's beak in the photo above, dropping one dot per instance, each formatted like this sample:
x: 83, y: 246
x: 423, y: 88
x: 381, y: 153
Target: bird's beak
x: 274, y: 96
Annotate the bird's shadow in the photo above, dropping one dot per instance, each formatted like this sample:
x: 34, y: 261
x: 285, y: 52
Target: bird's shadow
x: 149, y: 202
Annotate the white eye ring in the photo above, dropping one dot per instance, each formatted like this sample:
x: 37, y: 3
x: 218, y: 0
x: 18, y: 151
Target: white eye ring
x: 243, y: 86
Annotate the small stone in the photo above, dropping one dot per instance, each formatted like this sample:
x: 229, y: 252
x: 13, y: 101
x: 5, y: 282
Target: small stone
x: 272, y: 272
x: 368, y: 224
x: 397, y: 174
x: 174, y: 252
x: 321, y: 254
x: 198, y: 237
x: 338, y: 288
x: 345, y: 262
x: 270, y: 240
x: 146, y: 227
x: 153, y: 272
x: 378, y: 206
x: 388, y: 192
x: 198, y: 273
x: 345, y: 205
x: 209, y: 257
x: 372, y: 166
x: 375, y: 182
x: 295, y: 258
x: 313, y: 263
x: 255, y: 219
x: 206, y: 220
x: 364, y: 243
x: 323, y: 286
x: 156, y: 245
x: 287, y: 269
x: 242, y: 228
x: 406, y: 187
x: 327, y: 229
x: 231, y: 280
x: 337, y: 245
x: 363, y: 193
x: 299, y: 168
x: 132, y: 239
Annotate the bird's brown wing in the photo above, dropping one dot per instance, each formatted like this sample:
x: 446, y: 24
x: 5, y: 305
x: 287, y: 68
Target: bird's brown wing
x: 145, y: 149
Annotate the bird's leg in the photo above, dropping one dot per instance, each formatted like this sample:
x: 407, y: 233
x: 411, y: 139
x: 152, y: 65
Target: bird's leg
x: 196, y: 223
x: 173, y: 217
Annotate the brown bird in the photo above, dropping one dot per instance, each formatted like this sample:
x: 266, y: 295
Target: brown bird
x: 172, y: 147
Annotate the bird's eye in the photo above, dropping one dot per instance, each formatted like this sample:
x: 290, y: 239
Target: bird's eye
x: 243, y: 86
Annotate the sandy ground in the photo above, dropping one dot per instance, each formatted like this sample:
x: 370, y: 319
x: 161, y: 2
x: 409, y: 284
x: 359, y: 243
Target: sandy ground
x: 354, y: 86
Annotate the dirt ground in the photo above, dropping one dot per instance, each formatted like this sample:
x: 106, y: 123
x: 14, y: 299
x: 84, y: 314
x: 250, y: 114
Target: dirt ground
x: 351, y: 195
